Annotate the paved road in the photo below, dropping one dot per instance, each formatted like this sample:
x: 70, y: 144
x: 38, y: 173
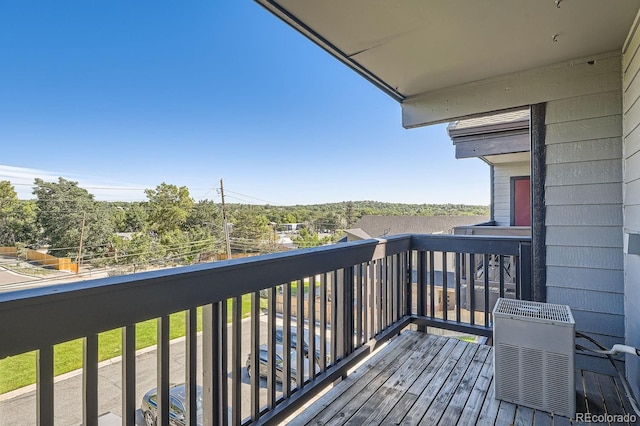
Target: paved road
x: 21, y: 410
x: 7, y: 278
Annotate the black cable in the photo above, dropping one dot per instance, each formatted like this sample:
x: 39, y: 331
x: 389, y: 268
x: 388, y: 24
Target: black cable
x: 625, y: 383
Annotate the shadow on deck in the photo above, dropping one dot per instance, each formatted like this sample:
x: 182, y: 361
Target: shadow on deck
x: 429, y: 380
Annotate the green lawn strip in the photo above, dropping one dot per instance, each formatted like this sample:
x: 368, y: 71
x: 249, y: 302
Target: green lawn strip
x: 20, y: 370
x: 294, y: 287
x: 30, y: 270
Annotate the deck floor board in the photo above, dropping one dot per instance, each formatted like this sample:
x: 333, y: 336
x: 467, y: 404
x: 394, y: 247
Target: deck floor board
x: 433, y: 380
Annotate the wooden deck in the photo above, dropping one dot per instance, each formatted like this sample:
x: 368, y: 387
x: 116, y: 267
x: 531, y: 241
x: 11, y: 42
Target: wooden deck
x: 421, y: 379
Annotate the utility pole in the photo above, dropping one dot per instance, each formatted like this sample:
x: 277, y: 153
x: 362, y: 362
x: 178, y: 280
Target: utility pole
x: 224, y: 218
x: 84, y: 218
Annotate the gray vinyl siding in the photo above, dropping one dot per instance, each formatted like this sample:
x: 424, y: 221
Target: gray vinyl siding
x: 502, y: 189
x: 584, y: 216
x: 631, y: 196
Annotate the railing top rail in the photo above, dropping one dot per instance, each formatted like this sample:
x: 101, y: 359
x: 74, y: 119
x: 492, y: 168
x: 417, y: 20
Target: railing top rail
x: 508, y: 245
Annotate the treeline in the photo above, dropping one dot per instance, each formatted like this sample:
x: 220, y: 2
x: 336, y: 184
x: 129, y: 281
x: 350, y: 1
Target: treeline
x: 170, y: 226
x: 335, y: 216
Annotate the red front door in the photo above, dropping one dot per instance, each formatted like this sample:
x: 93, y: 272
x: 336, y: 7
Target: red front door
x: 521, y: 214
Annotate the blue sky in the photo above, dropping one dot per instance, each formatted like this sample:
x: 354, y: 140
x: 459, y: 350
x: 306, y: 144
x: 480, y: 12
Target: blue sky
x: 129, y: 94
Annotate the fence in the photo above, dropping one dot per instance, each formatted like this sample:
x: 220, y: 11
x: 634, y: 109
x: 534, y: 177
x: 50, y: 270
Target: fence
x: 59, y: 263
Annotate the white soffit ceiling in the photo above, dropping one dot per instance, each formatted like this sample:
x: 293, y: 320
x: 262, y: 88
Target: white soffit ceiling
x: 518, y: 157
x: 410, y: 47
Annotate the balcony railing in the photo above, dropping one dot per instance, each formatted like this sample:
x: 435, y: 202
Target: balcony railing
x: 332, y: 305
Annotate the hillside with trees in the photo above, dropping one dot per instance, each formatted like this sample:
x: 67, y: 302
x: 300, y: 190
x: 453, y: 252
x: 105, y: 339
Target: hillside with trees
x: 171, y: 227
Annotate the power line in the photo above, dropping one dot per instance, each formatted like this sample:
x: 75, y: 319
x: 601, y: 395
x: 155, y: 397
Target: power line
x: 255, y: 198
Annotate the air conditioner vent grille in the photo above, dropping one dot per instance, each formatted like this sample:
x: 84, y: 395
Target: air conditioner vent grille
x: 541, y: 311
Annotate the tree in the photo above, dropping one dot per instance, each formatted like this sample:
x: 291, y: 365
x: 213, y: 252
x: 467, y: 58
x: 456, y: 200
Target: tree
x: 251, y: 226
x: 169, y: 207
x: 17, y: 218
x: 61, y: 207
x: 349, y: 214
x: 310, y: 239
x: 135, y: 218
x: 330, y: 221
x: 205, y: 219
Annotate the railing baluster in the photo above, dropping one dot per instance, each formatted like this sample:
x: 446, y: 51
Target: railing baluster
x: 212, y: 375
x: 501, y: 274
x: 90, y: 381
x: 458, y: 289
x: 323, y: 323
x: 471, y: 288
x: 129, y: 375
x: 163, y: 370
x: 223, y: 372
x: 516, y: 260
x: 386, y: 296
x: 390, y: 292
x: 341, y: 301
x: 255, y: 350
x: 44, y: 383
x: 271, y: 349
x: 366, y: 305
x: 382, y: 285
x: 486, y: 290
x: 348, y: 304
x: 408, y: 309
x: 393, y: 287
x: 311, y: 306
x: 300, y: 330
x: 422, y: 286
x: 359, y: 304
x: 397, y: 286
x: 388, y: 274
x: 191, y: 355
x: 236, y: 355
x: 286, y: 340
x: 375, y: 328
x: 432, y: 284
x: 445, y: 287
x: 335, y: 325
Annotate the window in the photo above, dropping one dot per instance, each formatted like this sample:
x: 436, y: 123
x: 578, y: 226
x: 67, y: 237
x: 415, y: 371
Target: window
x: 520, y: 201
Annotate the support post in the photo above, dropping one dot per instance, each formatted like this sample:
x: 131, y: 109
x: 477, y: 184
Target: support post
x: 538, y: 207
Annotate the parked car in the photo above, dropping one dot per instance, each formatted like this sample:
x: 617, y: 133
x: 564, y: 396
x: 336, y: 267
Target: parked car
x: 279, y: 363
x: 293, y: 343
x: 177, y: 404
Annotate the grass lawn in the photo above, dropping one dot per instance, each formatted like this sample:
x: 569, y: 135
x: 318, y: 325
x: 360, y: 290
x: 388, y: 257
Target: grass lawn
x: 30, y: 270
x: 20, y: 370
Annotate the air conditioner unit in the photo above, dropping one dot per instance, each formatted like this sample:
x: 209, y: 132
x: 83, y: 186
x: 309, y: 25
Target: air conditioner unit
x: 534, y: 346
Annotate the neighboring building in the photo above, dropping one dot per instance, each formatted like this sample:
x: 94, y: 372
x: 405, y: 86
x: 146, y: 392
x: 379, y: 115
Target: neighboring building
x: 501, y: 141
x: 373, y: 226
x: 290, y: 227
